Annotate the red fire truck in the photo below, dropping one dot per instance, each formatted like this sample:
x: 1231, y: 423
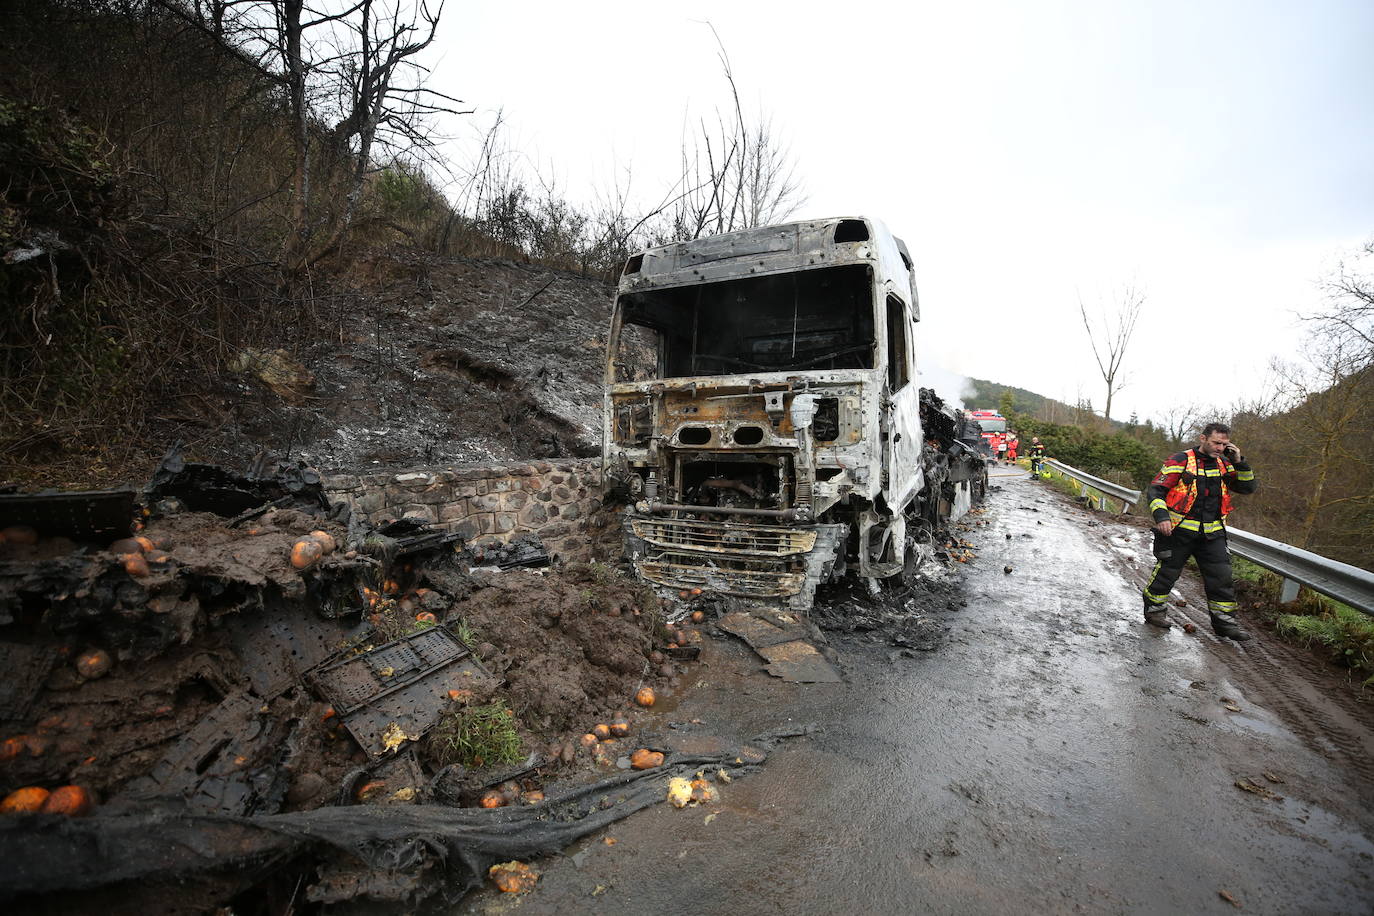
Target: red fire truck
x: 994, y: 428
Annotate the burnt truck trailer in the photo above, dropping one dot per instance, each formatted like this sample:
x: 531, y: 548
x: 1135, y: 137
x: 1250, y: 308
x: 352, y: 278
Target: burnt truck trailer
x: 762, y: 413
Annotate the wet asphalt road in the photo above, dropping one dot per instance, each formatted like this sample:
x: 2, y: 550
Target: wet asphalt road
x: 1052, y: 755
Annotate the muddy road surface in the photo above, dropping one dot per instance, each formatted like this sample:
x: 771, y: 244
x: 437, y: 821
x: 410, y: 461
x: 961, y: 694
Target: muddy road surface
x: 1049, y: 753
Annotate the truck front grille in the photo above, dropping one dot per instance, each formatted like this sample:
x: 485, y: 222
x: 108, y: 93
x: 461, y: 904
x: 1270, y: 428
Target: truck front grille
x: 733, y: 538
x: 747, y: 578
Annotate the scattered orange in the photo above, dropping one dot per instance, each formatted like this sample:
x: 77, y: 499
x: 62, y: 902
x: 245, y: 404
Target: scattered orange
x: 24, y: 801
x: 93, y: 664
x: 645, y: 697
x: 645, y: 759
x: 305, y: 552
x: 11, y: 748
x: 513, y: 877
x: 21, y: 534
x: 73, y: 801
x: 370, y: 789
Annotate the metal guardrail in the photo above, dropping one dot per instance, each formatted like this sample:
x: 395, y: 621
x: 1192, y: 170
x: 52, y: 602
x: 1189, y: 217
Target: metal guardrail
x: 1127, y: 496
x: 1348, y: 584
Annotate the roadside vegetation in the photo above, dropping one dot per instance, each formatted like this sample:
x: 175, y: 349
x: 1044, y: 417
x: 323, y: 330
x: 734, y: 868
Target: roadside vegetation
x: 1331, y: 628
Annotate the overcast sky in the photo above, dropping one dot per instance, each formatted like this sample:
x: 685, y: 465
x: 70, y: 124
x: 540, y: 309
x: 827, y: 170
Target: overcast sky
x: 1219, y: 155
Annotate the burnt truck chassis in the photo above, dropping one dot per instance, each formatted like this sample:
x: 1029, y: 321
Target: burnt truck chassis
x: 818, y: 455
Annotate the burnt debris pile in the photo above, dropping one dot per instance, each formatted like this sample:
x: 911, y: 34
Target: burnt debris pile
x: 223, y: 645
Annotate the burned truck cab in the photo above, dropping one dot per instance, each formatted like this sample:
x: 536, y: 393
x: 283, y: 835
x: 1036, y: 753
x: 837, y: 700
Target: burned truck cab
x: 761, y: 408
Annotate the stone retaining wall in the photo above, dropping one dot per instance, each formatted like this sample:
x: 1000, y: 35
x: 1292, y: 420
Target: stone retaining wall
x: 482, y: 504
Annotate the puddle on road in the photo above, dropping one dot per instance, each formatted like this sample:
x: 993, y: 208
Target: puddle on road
x: 1317, y: 825
x: 1215, y: 699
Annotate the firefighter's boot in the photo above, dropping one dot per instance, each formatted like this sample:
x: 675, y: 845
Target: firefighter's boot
x: 1226, y: 627
x: 1157, y: 617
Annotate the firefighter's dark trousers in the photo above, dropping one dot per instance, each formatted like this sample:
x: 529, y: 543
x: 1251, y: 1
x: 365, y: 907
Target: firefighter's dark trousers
x: 1213, y: 561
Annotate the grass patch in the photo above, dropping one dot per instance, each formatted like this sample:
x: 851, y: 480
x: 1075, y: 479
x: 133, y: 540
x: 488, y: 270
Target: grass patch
x: 1345, y: 632
x: 1246, y: 571
x: 476, y: 736
x: 1312, y: 620
x: 466, y: 634
x: 601, y: 574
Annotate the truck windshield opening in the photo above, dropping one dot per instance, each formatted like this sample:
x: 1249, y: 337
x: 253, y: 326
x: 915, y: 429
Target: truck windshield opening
x: 804, y: 321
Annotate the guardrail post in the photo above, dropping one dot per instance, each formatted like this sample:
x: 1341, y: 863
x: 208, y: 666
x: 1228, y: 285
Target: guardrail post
x: 1290, y: 590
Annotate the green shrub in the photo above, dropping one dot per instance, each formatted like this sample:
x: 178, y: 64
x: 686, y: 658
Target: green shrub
x: 1097, y: 453
x: 1346, y: 632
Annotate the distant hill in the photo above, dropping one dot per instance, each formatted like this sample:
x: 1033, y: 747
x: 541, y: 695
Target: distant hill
x: 982, y: 394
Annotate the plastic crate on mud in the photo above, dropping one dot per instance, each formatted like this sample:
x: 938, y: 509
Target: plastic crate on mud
x: 395, y: 693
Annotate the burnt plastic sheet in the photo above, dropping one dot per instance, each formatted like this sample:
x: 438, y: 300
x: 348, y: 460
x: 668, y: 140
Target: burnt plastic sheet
x: 22, y: 671
x: 756, y: 631
x: 211, y: 488
x: 137, y: 859
x: 90, y: 515
x: 395, y: 693
x: 799, y: 662
x: 781, y: 641
x: 413, y: 536
x: 280, y: 645
x: 233, y: 762
x: 527, y: 551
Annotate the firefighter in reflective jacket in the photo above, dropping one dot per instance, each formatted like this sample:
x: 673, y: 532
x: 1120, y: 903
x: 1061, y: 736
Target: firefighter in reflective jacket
x: 1190, y: 499
x: 1037, y: 455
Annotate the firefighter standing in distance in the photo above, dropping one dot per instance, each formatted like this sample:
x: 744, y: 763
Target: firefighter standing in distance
x: 1037, y: 455
x: 1190, y: 498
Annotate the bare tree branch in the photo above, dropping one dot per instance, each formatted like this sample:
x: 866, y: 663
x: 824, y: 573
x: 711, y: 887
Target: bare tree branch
x: 1111, y: 335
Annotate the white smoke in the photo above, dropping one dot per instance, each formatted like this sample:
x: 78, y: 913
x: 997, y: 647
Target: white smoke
x: 952, y: 387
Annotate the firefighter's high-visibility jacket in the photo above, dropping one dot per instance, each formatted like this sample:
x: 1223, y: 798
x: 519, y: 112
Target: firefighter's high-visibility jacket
x: 1194, y: 491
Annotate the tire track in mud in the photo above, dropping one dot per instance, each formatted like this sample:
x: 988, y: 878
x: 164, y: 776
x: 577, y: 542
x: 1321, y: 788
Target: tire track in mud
x: 1315, y: 705
x: 1339, y: 731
